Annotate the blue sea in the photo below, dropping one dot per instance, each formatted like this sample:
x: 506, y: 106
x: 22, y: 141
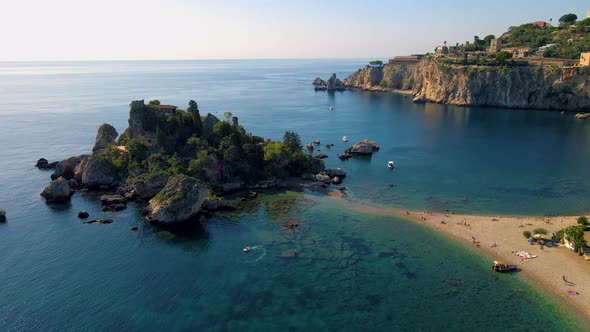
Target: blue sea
x: 352, y: 271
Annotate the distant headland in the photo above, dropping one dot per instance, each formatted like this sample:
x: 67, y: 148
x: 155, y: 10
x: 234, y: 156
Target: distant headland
x: 531, y: 66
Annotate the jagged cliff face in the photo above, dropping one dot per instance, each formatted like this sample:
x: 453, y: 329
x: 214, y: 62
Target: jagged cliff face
x: 533, y: 87
x: 388, y: 77
x: 513, y: 87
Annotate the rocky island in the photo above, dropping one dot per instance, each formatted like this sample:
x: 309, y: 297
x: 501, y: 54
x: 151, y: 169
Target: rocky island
x: 180, y: 163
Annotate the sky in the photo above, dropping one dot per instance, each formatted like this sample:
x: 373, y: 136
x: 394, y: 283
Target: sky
x: 46, y: 30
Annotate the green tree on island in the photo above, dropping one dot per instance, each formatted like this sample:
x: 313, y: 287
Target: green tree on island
x: 292, y: 141
x: 193, y: 110
x: 154, y: 102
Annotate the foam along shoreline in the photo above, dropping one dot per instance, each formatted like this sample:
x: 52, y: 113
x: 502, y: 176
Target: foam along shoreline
x: 547, y: 269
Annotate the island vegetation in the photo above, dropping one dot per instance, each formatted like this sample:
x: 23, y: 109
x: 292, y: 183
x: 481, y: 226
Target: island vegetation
x: 180, y: 161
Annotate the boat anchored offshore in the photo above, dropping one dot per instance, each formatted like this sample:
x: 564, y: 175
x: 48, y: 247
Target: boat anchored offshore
x: 501, y: 267
x: 331, y: 108
x: 390, y: 164
x: 344, y: 139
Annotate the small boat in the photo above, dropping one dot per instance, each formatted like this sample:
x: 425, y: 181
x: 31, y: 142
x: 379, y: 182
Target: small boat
x: 247, y: 248
x: 501, y: 267
x: 390, y: 164
x: 344, y: 139
x: 331, y: 108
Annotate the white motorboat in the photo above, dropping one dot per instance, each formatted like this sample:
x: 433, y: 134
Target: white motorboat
x: 331, y: 108
x: 390, y: 164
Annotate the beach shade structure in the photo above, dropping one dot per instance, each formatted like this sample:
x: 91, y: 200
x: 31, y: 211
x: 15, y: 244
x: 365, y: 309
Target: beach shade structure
x: 573, y: 293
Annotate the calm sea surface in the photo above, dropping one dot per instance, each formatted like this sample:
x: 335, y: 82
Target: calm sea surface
x: 352, y: 272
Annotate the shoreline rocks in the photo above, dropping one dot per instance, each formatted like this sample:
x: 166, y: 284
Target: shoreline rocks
x: 42, y: 163
x: 180, y: 200
x: 582, y: 116
x: 57, y: 191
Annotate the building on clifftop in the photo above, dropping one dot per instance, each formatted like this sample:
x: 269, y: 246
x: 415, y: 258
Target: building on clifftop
x: 495, y: 45
x: 585, y: 59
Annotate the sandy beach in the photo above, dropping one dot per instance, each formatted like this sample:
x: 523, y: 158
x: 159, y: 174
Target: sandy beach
x: 505, y: 232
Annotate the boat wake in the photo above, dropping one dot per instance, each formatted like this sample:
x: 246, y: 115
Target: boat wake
x: 256, y: 253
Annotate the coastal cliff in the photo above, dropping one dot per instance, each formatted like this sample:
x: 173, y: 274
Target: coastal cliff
x: 386, y: 78
x: 432, y: 80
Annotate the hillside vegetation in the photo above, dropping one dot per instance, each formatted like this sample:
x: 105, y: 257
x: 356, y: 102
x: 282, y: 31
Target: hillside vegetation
x: 570, y: 40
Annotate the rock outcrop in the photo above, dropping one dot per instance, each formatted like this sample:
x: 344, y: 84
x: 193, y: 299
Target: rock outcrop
x: 97, y: 171
x: 537, y: 87
x: 364, y: 147
x: 57, y: 191
x: 582, y: 116
x: 339, y: 172
x: 386, y: 78
x: 105, y: 136
x: 83, y: 214
x: 318, y: 82
x: 180, y: 200
x: 148, y: 188
x: 334, y: 83
x: 42, y: 163
x: 65, y: 168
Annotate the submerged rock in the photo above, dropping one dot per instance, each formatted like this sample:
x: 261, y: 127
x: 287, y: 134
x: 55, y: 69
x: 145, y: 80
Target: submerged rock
x: 113, y: 199
x: 345, y: 156
x: 105, y: 136
x: 320, y: 156
x: 214, y: 204
x: 114, y: 207
x: 332, y: 172
x: 57, y: 191
x: 180, y: 200
x: 2, y: 215
x: 309, y: 146
x: 292, y: 253
x: 99, y: 221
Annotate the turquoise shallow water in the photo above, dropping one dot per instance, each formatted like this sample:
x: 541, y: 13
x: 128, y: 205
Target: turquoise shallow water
x: 352, y: 272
